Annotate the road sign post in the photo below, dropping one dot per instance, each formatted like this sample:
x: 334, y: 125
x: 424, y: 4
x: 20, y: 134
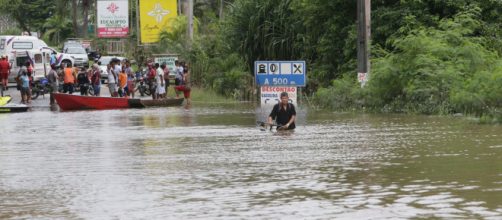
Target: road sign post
x: 280, y: 73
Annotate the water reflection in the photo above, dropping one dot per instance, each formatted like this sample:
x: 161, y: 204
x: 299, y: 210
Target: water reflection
x: 212, y: 162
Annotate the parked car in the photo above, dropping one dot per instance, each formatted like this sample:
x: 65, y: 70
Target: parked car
x: 79, y: 55
x: 71, y: 43
x: 103, y: 61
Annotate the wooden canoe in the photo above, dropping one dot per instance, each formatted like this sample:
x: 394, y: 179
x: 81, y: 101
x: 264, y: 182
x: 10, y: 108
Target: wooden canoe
x: 68, y: 102
x: 161, y: 102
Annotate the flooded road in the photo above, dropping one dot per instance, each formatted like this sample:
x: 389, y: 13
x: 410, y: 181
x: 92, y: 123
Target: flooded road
x: 211, y: 162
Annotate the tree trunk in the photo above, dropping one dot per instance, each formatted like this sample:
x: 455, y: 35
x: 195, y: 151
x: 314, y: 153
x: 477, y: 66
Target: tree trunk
x: 74, y: 12
x: 85, y: 6
x: 221, y: 9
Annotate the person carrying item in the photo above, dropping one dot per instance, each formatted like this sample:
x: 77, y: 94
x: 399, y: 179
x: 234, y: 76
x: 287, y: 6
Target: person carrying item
x: 283, y: 113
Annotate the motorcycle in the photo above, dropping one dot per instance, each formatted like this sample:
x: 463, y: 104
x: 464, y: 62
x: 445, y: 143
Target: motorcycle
x: 142, y: 87
x: 40, y: 87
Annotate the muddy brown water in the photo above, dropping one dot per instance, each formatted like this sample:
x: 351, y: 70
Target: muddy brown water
x: 212, y: 161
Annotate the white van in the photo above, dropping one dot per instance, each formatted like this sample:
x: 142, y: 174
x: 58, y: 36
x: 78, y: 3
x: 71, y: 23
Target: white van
x: 20, y: 49
x: 40, y: 61
x: 9, y: 43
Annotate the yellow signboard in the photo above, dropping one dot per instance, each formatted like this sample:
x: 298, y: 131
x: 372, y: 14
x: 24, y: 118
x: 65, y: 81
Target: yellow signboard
x: 155, y: 16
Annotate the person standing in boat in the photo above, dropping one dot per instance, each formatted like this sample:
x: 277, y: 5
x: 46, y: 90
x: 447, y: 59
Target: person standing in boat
x: 283, y: 113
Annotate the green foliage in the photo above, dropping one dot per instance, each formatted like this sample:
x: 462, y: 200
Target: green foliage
x: 443, y: 69
x: 58, y: 28
x: 344, y: 94
x: 29, y: 14
x: 263, y: 29
x: 11, y: 31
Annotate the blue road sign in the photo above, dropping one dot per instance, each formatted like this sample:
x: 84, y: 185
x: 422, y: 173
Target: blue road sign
x: 280, y: 73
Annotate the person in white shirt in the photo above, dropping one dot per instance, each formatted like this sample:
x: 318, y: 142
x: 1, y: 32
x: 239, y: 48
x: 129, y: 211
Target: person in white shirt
x: 112, y: 79
x: 159, y: 78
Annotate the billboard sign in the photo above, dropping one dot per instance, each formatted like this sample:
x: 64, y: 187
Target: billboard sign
x: 112, y: 18
x: 155, y: 16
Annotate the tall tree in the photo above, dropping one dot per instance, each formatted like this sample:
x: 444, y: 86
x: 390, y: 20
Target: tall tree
x: 74, y: 17
x: 29, y: 14
x: 86, y: 4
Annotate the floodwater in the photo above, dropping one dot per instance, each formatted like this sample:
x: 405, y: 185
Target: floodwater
x: 213, y: 162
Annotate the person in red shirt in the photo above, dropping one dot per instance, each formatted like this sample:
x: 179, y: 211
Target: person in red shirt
x: 4, y: 71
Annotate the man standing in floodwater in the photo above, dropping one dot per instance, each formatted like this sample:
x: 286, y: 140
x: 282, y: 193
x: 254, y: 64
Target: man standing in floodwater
x: 4, y: 71
x: 283, y: 113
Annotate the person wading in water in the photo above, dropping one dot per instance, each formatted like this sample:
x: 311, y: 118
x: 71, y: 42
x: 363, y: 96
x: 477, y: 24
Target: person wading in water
x: 283, y: 113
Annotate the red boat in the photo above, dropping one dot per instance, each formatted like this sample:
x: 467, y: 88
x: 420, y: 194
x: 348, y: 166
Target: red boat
x: 75, y: 102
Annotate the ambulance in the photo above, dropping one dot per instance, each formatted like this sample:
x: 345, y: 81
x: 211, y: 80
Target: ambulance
x: 22, y: 49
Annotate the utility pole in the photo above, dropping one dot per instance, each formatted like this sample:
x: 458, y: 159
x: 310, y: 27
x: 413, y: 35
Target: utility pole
x: 190, y: 19
x: 363, y: 40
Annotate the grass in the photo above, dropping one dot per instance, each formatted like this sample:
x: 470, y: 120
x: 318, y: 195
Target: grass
x: 207, y: 95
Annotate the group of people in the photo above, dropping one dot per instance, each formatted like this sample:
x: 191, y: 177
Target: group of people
x: 122, y: 83
x: 158, y: 80
x: 122, y: 79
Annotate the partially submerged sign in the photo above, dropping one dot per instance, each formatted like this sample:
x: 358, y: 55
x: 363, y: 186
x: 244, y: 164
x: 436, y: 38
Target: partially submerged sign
x: 271, y: 95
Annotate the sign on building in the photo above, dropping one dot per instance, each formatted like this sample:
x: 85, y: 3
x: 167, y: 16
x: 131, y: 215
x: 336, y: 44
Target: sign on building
x: 112, y: 18
x: 271, y: 95
x: 168, y: 60
x: 280, y: 73
x: 155, y: 16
